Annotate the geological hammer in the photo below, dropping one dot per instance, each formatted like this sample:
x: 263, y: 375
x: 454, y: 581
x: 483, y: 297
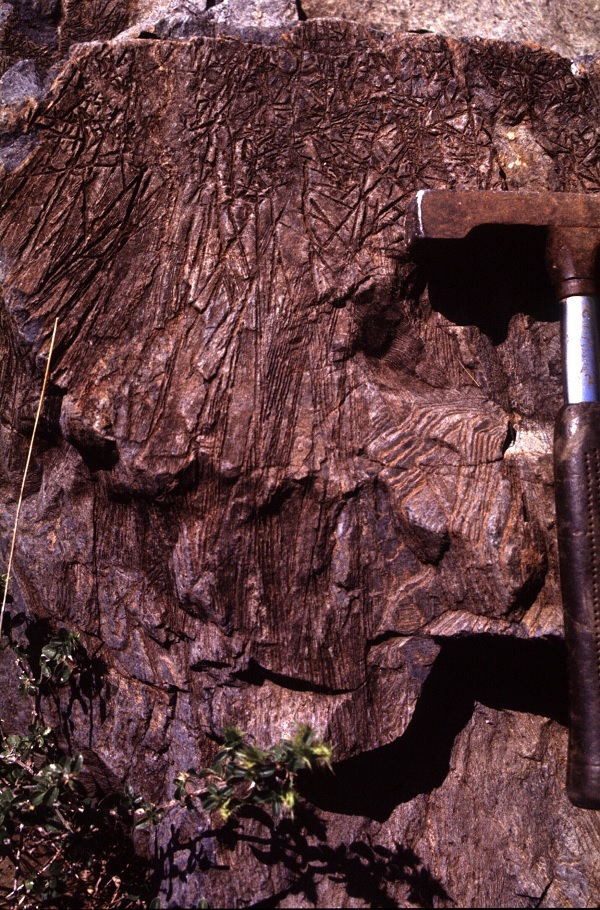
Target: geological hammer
x: 572, y: 221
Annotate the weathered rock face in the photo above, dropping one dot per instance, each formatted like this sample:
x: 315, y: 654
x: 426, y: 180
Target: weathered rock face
x: 43, y: 31
x: 287, y: 473
x: 28, y: 30
x: 569, y: 28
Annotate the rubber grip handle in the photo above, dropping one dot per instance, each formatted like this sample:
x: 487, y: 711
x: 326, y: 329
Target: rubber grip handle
x: 577, y: 480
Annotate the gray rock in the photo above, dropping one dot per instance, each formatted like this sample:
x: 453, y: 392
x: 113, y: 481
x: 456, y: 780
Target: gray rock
x: 572, y: 29
x: 256, y: 13
x: 20, y: 82
x: 15, y: 150
x: 5, y: 11
x: 184, y: 18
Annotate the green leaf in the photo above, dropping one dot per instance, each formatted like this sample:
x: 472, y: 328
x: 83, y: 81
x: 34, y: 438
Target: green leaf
x: 38, y: 798
x: 233, y: 738
x: 51, y: 796
x: 62, y: 675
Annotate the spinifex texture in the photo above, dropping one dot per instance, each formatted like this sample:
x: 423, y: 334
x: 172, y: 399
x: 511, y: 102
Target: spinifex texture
x: 279, y: 476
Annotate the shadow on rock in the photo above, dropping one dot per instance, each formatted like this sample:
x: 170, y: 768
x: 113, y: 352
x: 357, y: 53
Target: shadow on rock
x: 364, y: 870
x: 502, y: 673
x: 299, y: 848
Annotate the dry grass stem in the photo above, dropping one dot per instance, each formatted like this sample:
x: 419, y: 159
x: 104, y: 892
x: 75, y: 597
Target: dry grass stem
x: 25, y: 472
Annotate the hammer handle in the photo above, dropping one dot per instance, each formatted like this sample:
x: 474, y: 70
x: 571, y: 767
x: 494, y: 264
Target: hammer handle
x: 577, y: 483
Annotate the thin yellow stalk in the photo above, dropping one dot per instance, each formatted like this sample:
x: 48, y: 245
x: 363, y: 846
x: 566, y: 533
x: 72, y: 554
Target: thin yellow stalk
x: 29, y: 453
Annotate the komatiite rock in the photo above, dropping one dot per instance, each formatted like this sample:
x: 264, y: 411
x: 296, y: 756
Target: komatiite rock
x: 286, y: 473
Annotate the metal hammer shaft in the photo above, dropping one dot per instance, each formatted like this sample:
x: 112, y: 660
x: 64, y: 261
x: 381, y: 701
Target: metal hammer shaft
x: 573, y: 223
x: 579, y: 342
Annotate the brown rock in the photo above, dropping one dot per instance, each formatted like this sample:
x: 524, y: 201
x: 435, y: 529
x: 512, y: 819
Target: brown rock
x: 282, y: 466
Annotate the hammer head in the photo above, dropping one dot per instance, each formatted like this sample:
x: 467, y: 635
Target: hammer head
x: 572, y: 219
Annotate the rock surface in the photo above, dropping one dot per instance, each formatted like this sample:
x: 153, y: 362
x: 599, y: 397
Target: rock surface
x: 285, y: 472
x: 572, y: 29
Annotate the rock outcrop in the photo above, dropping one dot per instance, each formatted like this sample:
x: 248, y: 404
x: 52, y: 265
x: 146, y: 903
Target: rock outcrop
x: 285, y: 472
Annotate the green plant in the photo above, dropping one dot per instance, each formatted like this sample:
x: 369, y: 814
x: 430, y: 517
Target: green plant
x: 64, y: 845
x: 57, y: 661
x: 243, y: 774
x: 40, y: 796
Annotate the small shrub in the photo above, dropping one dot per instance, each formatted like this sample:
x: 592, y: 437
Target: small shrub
x: 244, y: 774
x: 63, y: 845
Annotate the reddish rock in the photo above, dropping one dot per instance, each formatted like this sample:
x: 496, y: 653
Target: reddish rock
x: 285, y: 472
